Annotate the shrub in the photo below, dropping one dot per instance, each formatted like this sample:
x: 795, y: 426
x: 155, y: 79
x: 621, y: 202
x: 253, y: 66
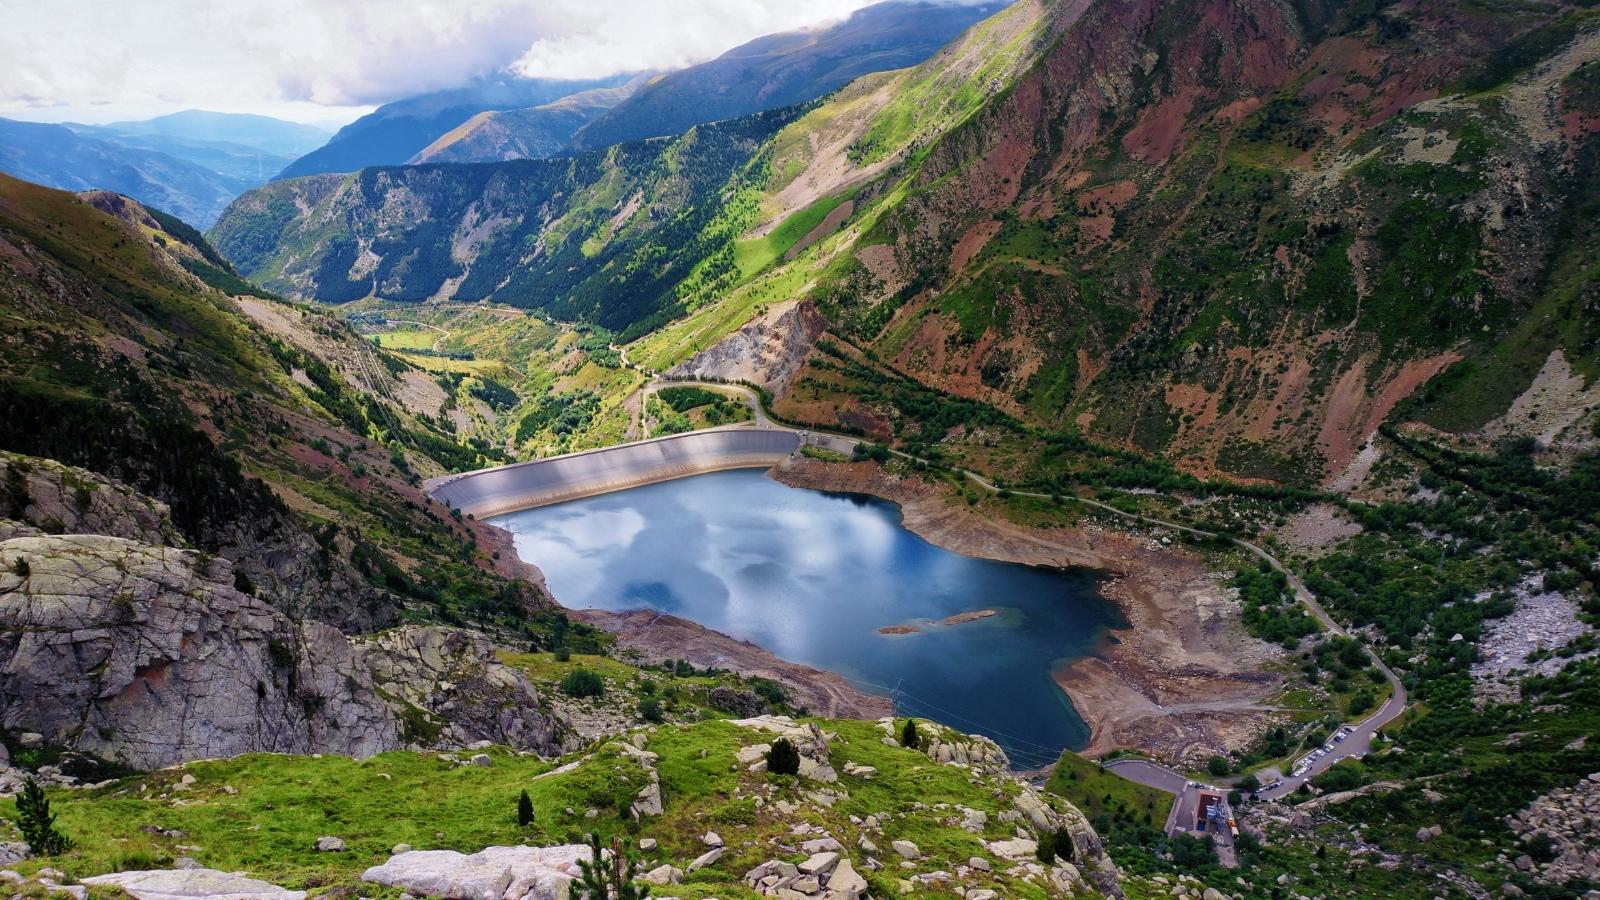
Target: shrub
x: 1541, y: 847
x: 563, y: 654
x: 783, y: 758
x: 650, y: 709
x: 1217, y: 766
x: 1062, y: 843
x: 37, y: 824
x: 908, y: 735
x: 524, y: 809
x: 1046, y: 849
x: 609, y: 879
x: 20, y: 567
x: 582, y: 683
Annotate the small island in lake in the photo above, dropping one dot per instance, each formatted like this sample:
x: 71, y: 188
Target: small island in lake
x: 971, y: 615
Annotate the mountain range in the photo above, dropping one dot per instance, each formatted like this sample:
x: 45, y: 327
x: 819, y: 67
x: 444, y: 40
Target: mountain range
x: 1276, y: 321
x: 784, y: 69
x: 1034, y: 216
x: 396, y: 131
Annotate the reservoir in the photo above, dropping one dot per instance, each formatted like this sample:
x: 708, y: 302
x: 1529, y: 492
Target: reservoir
x: 813, y: 577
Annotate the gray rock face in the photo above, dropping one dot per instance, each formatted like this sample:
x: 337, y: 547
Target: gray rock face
x: 148, y: 656
x: 768, y: 351
x: 188, y: 884
x: 44, y: 496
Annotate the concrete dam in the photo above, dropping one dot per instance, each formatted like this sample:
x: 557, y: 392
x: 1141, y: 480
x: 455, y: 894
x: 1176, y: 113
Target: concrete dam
x: 541, y: 482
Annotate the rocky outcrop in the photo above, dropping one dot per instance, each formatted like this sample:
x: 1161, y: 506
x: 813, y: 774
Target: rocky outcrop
x: 150, y: 655
x: 768, y: 351
x: 493, y: 873
x: 1568, y: 817
x: 189, y: 884
x: 42, y: 495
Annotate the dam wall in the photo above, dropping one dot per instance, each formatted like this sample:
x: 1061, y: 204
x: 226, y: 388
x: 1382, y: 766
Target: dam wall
x: 541, y: 482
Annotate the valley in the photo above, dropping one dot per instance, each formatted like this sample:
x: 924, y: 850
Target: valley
x: 932, y: 452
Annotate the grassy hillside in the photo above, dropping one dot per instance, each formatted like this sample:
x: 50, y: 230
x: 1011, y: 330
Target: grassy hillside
x: 280, y: 438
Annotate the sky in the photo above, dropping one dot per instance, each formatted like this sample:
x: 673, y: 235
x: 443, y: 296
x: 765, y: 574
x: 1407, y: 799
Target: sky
x: 326, y: 62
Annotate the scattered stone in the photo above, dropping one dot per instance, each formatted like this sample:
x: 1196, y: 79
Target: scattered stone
x: 1425, y: 835
x: 663, y: 875
x: 707, y: 858
x: 906, y: 849
x: 330, y: 844
x: 482, y: 759
x: 647, y: 844
x: 712, y: 839
x: 978, y: 863
x: 399, y: 849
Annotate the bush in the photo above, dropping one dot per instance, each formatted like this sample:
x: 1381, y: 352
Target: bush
x: 908, y: 735
x: 1046, y: 849
x: 563, y: 654
x: 524, y: 809
x: 37, y: 824
x: 1217, y: 766
x: 650, y: 710
x: 582, y: 683
x: 783, y: 758
x: 1541, y: 847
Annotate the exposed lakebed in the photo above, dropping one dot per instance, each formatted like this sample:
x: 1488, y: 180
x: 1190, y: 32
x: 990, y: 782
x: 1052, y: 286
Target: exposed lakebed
x: 813, y: 577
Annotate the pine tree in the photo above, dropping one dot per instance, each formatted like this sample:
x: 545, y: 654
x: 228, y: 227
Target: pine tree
x: 908, y: 735
x: 37, y: 824
x: 613, y: 881
x: 524, y: 810
x: 783, y: 758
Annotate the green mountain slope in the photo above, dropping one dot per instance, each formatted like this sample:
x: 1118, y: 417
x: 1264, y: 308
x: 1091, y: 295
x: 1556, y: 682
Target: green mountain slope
x: 607, y: 236
x: 279, y: 439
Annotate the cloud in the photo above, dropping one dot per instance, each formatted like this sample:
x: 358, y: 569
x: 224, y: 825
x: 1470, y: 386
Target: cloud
x: 250, y: 55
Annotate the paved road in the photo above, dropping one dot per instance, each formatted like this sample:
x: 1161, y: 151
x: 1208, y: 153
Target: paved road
x: 749, y: 396
x: 1185, y: 811
x: 1359, y: 743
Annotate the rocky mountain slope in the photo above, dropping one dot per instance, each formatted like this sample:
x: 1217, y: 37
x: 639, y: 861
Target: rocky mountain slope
x: 1238, y: 240
x: 278, y: 439
x: 785, y: 69
x: 396, y: 131
x: 573, y: 236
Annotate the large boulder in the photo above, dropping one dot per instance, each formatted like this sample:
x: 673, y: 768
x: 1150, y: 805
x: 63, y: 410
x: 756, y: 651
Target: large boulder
x: 190, y: 884
x: 494, y: 873
x: 151, y: 655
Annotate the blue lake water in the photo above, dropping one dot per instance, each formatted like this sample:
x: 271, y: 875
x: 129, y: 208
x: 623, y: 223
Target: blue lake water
x: 812, y: 576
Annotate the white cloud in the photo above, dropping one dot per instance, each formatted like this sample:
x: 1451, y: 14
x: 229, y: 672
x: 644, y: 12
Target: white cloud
x: 265, y: 55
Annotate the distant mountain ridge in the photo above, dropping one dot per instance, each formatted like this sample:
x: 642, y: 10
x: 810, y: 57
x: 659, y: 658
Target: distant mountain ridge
x: 532, y: 133
x: 395, y: 132
x: 58, y: 156
x: 264, y: 133
x: 786, y: 68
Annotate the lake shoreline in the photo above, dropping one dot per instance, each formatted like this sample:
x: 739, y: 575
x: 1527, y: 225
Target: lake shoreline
x: 1182, y: 681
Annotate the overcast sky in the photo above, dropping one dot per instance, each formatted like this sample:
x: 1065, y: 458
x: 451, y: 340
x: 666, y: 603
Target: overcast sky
x: 327, y: 61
